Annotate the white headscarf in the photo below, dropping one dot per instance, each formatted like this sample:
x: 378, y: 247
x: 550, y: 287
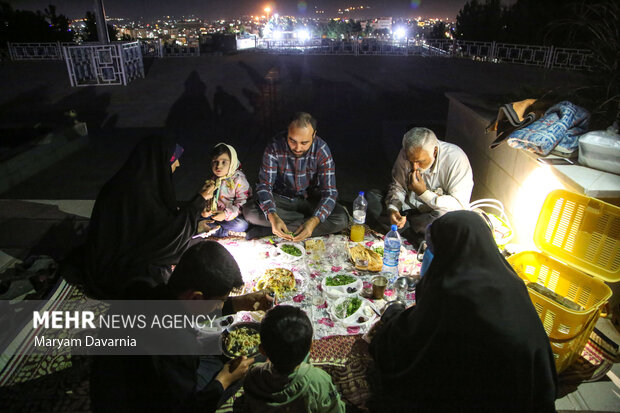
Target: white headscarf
x: 234, y: 165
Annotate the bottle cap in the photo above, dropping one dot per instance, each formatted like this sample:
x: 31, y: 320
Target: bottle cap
x: 361, y: 193
x: 394, y: 227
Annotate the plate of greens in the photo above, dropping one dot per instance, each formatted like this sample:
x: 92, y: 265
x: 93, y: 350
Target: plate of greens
x: 340, y: 285
x: 291, y: 251
x: 352, y: 311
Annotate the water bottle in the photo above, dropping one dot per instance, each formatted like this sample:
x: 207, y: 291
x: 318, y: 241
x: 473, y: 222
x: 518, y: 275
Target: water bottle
x: 391, y: 251
x: 359, y: 217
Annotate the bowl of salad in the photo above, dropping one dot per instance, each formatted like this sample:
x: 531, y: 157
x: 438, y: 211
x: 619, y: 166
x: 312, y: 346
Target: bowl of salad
x: 291, y: 251
x: 353, y: 311
x: 341, y: 285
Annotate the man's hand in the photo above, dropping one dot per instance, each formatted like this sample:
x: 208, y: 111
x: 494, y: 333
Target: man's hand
x: 305, y: 230
x: 416, y: 182
x: 234, y: 370
x: 218, y: 216
x: 278, y: 227
x: 259, y: 300
x: 397, y: 219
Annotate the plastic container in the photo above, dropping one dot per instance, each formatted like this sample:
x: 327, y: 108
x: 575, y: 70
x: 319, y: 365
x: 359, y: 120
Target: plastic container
x: 391, y: 252
x: 365, y: 315
x: 601, y: 150
x: 359, y: 218
x: 580, y: 242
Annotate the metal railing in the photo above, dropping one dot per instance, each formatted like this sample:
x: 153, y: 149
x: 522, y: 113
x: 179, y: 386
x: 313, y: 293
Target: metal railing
x: 151, y: 48
x: 104, y: 64
x: 543, y: 56
x: 35, y: 51
x: 180, y: 51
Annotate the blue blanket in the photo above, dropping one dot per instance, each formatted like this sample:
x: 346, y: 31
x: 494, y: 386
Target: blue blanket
x: 558, y: 130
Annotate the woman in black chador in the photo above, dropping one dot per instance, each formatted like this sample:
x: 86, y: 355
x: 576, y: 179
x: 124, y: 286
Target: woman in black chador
x: 137, y: 231
x: 474, y: 342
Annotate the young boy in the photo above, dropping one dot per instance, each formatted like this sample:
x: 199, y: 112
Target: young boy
x: 286, y: 382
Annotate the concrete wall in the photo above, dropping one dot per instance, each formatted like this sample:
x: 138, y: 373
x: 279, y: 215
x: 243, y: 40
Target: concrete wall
x: 512, y: 176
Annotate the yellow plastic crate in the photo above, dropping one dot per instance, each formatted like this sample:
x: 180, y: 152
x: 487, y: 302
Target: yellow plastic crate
x: 583, y: 233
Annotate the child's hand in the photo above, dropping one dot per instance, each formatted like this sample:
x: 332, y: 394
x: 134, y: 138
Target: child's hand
x: 206, y: 213
x: 207, y: 189
x: 218, y: 216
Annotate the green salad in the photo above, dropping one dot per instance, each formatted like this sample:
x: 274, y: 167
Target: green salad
x: 291, y: 250
x: 348, y: 307
x: 340, y: 279
x: 378, y: 250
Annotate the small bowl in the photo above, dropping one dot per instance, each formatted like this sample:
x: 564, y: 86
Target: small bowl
x: 289, y: 257
x: 226, y: 333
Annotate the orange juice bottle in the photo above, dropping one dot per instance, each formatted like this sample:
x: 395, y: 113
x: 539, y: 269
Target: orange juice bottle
x: 359, y: 217
x: 357, y: 233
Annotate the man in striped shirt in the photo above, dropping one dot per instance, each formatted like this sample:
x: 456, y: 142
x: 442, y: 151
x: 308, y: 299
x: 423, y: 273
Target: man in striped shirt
x: 297, y: 185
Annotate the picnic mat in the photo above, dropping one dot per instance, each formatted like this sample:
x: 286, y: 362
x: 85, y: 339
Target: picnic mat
x: 36, y: 383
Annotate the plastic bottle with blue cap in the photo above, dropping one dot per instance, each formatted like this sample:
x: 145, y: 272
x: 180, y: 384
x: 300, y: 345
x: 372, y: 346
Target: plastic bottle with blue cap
x: 391, y: 253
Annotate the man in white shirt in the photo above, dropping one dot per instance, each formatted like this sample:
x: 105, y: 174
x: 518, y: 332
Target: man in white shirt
x: 429, y: 178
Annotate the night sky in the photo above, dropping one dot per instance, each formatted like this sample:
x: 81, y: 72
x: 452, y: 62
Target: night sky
x: 215, y: 9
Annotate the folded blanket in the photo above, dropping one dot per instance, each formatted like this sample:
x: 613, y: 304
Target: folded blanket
x: 558, y: 130
x: 513, y: 116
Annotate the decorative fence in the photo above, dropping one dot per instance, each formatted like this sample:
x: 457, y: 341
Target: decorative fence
x: 104, y: 64
x: 181, y: 51
x: 35, y: 51
x: 151, y: 48
x: 543, y: 56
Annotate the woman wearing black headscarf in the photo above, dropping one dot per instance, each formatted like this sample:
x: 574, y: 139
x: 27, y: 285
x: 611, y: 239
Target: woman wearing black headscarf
x: 136, y: 230
x: 474, y: 342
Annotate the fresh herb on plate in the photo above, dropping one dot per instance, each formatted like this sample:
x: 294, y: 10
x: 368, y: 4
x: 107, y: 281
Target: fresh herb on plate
x: 291, y: 250
x: 378, y: 250
x: 348, y: 307
x: 340, y: 279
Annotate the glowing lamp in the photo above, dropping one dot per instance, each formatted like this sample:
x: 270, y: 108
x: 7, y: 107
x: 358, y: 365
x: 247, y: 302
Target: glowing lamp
x: 303, y: 35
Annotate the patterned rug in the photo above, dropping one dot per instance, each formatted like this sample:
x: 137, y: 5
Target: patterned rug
x: 45, y: 384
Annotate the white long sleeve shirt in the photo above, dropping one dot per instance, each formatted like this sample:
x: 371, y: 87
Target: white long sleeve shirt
x: 448, y: 183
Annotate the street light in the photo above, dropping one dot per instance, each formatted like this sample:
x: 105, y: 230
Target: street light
x: 303, y: 35
x: 400, y: 33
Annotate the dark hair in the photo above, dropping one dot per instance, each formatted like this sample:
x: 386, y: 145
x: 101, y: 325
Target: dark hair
x: 302, y: 119
x: 219, y: 150
x: 286, y: 335
x: 207, y: 267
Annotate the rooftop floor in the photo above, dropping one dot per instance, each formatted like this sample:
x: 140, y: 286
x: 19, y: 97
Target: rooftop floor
x: 363, y: 104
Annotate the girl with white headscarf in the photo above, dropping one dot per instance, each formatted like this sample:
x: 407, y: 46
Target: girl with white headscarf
x: 231, y: 191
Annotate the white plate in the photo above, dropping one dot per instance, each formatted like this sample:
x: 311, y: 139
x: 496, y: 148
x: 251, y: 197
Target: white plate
x: 365, y: 310
x: 337, y: 291
x: 289, y: 257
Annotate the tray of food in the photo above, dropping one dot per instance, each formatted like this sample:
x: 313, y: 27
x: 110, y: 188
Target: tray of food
x: 241, y: 339
x: 291, y: 251
x: 353, y: 311
x: 315, y: 245
x: 365, y: 259
x: 280, y: 281
x: 341, y: 285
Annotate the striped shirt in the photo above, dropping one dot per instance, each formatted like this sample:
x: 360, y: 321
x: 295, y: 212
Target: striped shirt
x: 284, y: 174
